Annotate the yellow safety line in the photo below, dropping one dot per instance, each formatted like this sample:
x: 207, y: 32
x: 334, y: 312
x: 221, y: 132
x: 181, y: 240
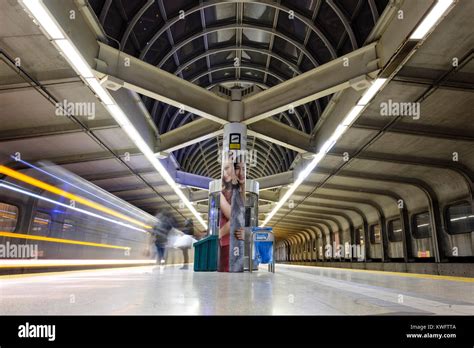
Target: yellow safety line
x: 55, y: 265
x: 38, y: 183
x: 402, y: 274
x: 59, y: 240
x: 63, y: 265
x: 40, y: 274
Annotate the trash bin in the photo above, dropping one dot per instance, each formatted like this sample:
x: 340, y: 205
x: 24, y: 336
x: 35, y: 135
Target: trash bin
x: 263, y: 252
x: 262, y: 248
x: 205, y: 254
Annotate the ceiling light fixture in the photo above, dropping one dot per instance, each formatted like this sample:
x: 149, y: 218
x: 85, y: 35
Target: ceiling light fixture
x: 74, y: 57
x: 44, y: 18
x: 371, y: 92
x: 420, y: 32
x: 351, y: 116
x: 431, y: 19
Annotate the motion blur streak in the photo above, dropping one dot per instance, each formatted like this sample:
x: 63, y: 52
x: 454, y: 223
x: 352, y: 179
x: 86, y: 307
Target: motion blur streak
x: 34, y: 182
x: 16, y: 189
x: 66, y: 263
x: 59, y: 240
x: 75, y: 186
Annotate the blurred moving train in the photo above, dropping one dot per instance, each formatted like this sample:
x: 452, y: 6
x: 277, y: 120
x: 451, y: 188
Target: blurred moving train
x: 70, y: 221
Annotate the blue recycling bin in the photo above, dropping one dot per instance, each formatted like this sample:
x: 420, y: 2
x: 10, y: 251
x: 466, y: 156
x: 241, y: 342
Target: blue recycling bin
x: 261, y: 248
x: 263, y: 252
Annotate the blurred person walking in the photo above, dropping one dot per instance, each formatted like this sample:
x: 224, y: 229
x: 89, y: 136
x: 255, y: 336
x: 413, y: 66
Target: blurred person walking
x: 189, y: 231
x: 161, y: 231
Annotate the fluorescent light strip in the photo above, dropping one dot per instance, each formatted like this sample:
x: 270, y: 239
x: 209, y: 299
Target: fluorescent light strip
x: 352, y: 115
x: 31, y: 194
x: 431, y: 19
x: 100, y: 91
x: 371, y: 92
x: 338, y: 132
x: 131, y: 131
x: 74, y: 58
x: 80, y: 65
x: 301, y: 177
x: 44, y: 18
x: 462, y: 218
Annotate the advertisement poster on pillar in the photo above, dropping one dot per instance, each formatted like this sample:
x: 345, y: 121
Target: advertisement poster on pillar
x: 232, y: 199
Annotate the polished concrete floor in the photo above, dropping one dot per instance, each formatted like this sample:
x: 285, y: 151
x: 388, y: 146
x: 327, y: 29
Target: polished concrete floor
x: 300, y: 290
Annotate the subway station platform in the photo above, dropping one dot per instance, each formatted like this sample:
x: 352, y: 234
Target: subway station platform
x: 292, y: 290
x: 330, y: 139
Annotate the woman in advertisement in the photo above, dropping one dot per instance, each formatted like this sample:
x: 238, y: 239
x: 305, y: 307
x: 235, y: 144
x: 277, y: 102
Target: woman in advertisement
x: 233, y: 180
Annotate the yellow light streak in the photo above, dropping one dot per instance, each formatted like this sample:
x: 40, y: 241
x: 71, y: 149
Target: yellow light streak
x: 47, y: 187
x: 60, y: 240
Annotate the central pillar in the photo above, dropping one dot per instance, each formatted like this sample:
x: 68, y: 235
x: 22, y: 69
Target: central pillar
x: 232, y: 198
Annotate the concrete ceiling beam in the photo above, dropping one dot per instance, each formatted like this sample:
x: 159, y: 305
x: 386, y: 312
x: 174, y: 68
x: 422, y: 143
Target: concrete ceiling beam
x: 319, y: 82
x: 189, y: 134
x: 280, y: 134
x: 146, y: 79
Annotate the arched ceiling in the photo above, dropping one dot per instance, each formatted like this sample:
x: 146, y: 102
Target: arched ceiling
x: 273, y: 41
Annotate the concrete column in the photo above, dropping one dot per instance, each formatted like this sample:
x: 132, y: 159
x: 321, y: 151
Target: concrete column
x: 232, y: 197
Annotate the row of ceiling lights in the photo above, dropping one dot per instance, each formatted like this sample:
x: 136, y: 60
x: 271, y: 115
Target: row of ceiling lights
x: 419, y: 33
x: 62, y: 42
x: 53, y: 30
